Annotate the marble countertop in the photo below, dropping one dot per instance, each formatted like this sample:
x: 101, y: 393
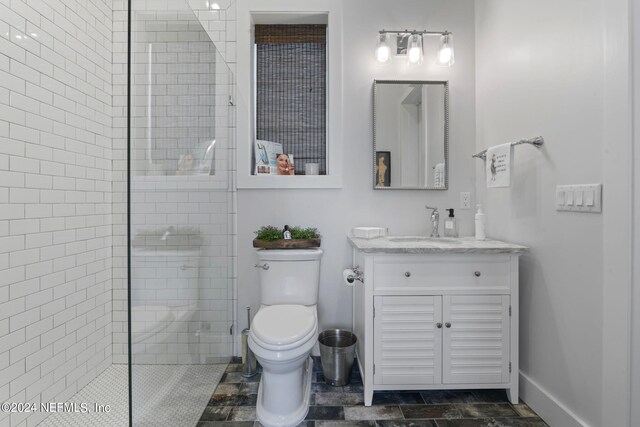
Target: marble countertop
x: 426, y: 245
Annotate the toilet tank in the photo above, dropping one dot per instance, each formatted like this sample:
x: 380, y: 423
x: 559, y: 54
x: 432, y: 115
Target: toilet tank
x: 292, y: 276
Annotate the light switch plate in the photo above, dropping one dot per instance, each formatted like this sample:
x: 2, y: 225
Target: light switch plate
x: 579, y: 198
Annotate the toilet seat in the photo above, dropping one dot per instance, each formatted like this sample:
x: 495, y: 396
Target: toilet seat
x: 283, y: 327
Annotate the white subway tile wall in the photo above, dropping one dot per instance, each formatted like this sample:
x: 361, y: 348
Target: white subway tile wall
x: 56, y: 129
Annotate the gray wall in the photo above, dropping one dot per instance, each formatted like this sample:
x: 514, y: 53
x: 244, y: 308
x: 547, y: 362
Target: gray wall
x: 558, y: 70
x: 335, y: 212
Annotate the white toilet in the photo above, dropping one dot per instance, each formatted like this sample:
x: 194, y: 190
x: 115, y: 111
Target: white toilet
x: 283, y: 332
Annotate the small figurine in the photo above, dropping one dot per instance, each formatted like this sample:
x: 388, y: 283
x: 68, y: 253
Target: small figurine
x: 286, y: 233
x: 185, y: 164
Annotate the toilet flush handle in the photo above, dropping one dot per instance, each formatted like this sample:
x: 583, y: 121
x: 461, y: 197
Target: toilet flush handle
x: 264, y: 266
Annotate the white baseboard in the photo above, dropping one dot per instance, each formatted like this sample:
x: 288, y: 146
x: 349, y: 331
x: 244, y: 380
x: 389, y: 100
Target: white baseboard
x: 552, y: 411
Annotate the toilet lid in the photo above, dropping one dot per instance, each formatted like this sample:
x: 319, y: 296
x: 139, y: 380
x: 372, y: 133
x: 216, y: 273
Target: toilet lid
x: 281, y: 325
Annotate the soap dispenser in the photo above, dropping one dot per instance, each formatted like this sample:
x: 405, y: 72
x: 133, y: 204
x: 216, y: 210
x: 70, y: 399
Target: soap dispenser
x: 450, y: 225
x: 480, y: 223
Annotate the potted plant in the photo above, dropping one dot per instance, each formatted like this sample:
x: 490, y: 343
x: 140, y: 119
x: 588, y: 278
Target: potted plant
x: 270, y: 237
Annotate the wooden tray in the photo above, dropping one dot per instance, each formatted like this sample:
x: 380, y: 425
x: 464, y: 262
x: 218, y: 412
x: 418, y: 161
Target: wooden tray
x: 287, y: 244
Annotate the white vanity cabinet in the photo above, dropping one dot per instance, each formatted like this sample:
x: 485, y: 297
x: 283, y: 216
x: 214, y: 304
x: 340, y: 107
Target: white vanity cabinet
x: 437, y: 317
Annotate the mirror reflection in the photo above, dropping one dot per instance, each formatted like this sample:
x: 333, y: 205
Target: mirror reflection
x: 410, y: 138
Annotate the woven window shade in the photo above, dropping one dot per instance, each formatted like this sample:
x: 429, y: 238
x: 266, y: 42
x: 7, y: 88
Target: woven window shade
x: 291, y: 76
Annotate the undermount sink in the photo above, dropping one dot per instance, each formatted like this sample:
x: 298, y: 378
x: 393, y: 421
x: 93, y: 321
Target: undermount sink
x: 421, y: 239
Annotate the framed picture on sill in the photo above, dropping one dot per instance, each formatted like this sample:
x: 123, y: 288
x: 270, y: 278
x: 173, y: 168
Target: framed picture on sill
x: 383, y: 169
x: 266, y: 153
x: 285, y: 164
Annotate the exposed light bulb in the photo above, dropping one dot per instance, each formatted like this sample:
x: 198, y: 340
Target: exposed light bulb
x: 444, y: 55
x: 414, y: 54
x: 383, y: 53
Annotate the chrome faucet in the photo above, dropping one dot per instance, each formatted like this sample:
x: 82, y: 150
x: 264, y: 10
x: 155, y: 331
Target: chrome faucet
x: 435, y: 219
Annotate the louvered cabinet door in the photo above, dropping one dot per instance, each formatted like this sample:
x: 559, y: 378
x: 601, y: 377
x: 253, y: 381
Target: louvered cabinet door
x: 476, y: 339
x: 407, y: 340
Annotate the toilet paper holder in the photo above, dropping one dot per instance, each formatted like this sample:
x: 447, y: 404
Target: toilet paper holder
x: 357, y: 275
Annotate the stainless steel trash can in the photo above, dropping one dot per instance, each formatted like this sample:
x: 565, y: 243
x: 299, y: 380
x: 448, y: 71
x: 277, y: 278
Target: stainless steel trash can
x: 337, y: 349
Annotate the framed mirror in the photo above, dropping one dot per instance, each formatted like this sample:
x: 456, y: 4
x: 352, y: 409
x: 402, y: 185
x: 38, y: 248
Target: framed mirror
x: 410, y: 135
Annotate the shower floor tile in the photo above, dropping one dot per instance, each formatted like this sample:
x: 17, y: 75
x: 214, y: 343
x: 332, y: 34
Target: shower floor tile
x: 109, y: 388
x: 235, y: 396
x: 163, y: 395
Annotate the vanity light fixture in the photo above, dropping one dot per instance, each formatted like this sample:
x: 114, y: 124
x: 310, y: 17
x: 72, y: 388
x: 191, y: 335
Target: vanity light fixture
x: 409, y: 43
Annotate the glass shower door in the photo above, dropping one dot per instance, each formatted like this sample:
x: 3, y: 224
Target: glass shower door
x: 180, y: 215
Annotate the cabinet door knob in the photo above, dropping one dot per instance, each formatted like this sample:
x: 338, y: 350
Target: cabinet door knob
x: 407, y: 274
x: 477, y: 274
x: 439, y: 325
x: 448, y: 324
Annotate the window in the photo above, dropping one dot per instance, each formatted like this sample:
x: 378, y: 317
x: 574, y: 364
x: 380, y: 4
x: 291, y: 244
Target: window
x: 291, y: 91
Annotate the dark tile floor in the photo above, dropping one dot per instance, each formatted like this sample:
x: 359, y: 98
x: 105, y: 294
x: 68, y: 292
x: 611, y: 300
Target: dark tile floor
x: 233, y: 403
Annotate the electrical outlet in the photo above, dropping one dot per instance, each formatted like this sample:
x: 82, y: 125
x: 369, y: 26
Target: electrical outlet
x: 465, y: 200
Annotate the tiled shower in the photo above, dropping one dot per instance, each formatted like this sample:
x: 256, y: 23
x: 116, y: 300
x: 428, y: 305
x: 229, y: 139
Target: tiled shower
x: 114, y: 219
